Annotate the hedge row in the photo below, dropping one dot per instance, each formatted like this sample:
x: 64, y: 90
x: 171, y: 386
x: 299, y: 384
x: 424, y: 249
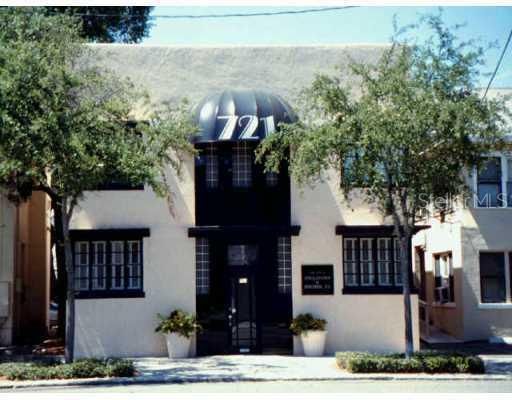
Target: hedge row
x: 427, y: 362
x: 84, y: 368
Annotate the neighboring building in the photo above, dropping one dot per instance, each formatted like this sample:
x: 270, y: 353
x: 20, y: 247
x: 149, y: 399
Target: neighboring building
x: 244, y: 250
x: 24, y: 270
x: 464, y: 263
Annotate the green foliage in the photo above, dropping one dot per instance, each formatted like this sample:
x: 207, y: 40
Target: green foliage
x: 66, y: 125
x: 178, y: 322
x: 404, y: 133
x: 109, y: 24
x: 307, y: 322
x: 83, y: 368
x: 421, y: 362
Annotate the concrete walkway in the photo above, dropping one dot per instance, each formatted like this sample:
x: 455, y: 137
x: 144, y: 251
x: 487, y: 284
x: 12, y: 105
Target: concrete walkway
x: 240, y: 368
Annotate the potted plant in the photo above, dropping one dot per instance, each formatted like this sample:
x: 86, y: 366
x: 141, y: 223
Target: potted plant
x: 178, y: 328
x: 312, y: 333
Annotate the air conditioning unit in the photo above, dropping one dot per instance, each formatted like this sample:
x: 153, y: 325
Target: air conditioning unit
x: 442, y: 294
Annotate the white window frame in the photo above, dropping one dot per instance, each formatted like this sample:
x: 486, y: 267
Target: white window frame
x: 369, y: 261
x: 504, y: 157
x: 134, y: 268
x: 113, y: 266
x: 384, y: 265
x: 352, y: 262
x: 508, y: 279
x: 96, y: 265
x: 445, y: 270
x: 81, y: 279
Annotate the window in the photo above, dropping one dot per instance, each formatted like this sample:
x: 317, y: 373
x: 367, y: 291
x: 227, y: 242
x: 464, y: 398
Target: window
x: 489, y: 183
x: 242, y: 165
x: 492, y: 278
x: 212, y: 167
x: 272, y: 179
x: 202, y: 266
x: 99, y: 265
x: 284, y: 265
x: 384, y: 263
x: 509, y: 183
x: 107, y: 268
x: 242, y: 255
x: 443, y: 274
x: 371, y: 263
x: 82, y: 266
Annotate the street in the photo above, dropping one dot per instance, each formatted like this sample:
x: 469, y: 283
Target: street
x: 418, y: 386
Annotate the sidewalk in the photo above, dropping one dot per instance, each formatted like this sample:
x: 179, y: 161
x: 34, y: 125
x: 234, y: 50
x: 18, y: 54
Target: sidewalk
x: 258, y: 368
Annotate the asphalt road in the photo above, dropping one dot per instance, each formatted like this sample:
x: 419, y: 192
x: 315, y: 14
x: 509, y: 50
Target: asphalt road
x: 294, y: 387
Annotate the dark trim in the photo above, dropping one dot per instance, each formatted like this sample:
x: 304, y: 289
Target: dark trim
x: 110, y: 294
x: 371, y: 230
x: 109, y: 234
x: 510, y: 270
x: 112, y: 187
x: 220, y: 231
x: 376, y: 290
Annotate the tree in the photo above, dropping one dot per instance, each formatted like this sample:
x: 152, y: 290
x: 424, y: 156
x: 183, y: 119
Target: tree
x: 404, y: 140
x: 65, y: 125
x: 110, y: 24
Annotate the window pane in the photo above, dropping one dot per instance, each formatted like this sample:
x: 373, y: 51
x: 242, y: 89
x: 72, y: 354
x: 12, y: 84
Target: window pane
x: 212, y: 167
x: 242, y: 165
x: 81, y: 265
x: 202, y: 266
x: 509, y: 192
x: 366, y: 262
x: 133, y: 265
x: 490, y: 171
x: 284, y: 265
x: 488, y: 194
x: 492, y: 277
x: 98, y: 266
x: 384, y: 261
x: 117, y: 267
x: 398, y: 271
x: 272, y: 179
x: 349, y: 265
x: 242, y: 254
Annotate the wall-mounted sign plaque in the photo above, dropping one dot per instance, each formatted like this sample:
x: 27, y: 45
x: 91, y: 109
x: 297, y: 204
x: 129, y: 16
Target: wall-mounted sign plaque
x: 317, y: 279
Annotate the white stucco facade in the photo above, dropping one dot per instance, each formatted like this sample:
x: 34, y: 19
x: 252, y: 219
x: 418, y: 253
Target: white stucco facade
x: 466, y: 233
x: 125, y: 326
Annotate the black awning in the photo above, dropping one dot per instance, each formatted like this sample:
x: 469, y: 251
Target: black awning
x: 371, y: 230
x: 109, y: 234
x: 246, y: 230
x: 237, y: 115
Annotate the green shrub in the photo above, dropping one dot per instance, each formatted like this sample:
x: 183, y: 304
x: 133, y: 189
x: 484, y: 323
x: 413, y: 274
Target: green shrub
x: 306, y: 322
x: 178, y: 322
x: 427, y: 362
x: 124, y: 368
x: 83, y: 368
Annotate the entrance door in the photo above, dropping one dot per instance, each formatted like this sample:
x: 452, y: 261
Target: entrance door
x: 242, y: 323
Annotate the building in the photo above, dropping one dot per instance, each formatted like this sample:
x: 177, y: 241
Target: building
x: 464, y: 260
x: 244, y: 250
x: 24, y: 270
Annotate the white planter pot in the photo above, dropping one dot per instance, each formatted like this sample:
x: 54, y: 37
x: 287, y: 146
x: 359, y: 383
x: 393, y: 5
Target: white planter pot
x: 313, y: 343
x: 178, y: 346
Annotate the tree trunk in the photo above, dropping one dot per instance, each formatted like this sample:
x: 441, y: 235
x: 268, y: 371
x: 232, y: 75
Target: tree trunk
x: 405, y: 240
x: 70, y: 300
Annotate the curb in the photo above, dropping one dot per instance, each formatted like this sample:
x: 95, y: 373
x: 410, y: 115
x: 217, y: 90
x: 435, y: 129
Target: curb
x: 174, y: 380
